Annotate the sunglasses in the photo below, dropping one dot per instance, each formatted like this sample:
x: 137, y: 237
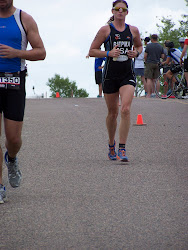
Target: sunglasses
x: 120, y: 9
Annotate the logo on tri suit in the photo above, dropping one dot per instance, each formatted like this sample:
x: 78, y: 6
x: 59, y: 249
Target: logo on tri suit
x: 117, y: 36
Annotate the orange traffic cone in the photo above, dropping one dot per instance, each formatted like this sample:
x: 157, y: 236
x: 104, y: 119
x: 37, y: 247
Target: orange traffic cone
x: 139, y: 121
x: 57, y: 95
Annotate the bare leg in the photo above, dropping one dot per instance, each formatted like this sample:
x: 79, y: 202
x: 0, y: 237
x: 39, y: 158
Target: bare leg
x: 153, y: 85
x: 13, y: 142
x: 100, y: 89
x: 112, y: 102
x: 144, y: 83
x: 126, y: 94
x: 186, y: 77
x: 149, y: 87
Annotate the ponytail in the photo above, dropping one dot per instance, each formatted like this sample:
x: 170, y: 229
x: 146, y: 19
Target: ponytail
x: 110, y: 20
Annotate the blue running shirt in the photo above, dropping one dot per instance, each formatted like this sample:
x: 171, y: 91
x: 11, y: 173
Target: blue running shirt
x: 12, y: 33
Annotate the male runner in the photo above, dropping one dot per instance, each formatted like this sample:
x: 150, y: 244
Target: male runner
x: 17, y: 28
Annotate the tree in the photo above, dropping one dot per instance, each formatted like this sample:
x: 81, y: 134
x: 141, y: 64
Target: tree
x: 65, y: 87
x: 184, y: 23
x: 168, y: 32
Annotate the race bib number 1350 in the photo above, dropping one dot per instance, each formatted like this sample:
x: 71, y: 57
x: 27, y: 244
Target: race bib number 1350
x: 10, y: 82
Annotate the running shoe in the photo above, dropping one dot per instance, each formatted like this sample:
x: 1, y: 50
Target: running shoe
x: 2, y: 194
x: 164, y: 96
x: 112, y: 152
x: 14, y: 174
x: 122, y: 155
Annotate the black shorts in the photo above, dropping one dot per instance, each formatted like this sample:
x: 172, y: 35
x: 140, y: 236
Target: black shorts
x: 186, y: 65
x: 111, y: 86
x: 12, y: 101
x: 98, y: 77
x: 175, y: 68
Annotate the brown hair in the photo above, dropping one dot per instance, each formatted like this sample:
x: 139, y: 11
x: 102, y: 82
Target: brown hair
x: 119, y: 1
x: 113, y: 5
x: 154, y: 37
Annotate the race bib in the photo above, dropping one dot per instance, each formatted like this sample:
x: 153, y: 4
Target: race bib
x: 122, y: 58
x: 10, y: 80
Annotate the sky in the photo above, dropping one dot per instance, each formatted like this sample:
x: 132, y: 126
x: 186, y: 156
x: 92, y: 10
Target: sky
x: 68, y: 28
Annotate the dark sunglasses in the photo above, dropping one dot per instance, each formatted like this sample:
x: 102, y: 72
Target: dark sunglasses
x: 120, y: 9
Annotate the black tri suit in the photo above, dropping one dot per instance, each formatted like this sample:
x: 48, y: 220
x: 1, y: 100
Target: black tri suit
x: 118, y: 72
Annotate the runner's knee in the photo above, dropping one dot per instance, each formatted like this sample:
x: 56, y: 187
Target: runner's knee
x: 13, y: 140
x: 125, y: 111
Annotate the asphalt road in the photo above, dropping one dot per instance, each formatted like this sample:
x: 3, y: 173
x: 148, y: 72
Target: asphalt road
x: 73, y: 197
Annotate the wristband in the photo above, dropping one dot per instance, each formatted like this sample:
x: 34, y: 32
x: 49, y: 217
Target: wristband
x: 107, y: 53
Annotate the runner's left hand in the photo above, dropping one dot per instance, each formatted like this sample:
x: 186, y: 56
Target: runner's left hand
x: 132, y: 53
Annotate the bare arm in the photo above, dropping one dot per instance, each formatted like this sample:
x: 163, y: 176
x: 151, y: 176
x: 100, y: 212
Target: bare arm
x: 184, y: 51
x: 137, y: 43
x: 145, y: 56
x: 36, y: 53
x: 167, y: 61
x: 99, y: 39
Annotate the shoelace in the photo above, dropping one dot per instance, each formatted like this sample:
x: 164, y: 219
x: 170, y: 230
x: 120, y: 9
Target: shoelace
x: 122, y: 151
x: 13, y: 169
x: 112, y: 150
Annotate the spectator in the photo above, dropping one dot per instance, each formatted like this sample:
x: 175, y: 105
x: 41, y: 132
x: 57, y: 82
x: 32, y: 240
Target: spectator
x: 181, y: 41
x: 146, y: 40
x: 139, y: 68
x: 173, y: 59
x: 185, y: 55
x: 153, y: 52
x: 98, y: 73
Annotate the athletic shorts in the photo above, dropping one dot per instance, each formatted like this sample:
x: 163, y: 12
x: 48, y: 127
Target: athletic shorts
x: 139, y: 71
x: 111, y: 86
x: 186, y: 65
x: 174, y: 68
x: 151, y: 71
x: 166, y: 69
x: 98, y: 77
x: 12, y: 101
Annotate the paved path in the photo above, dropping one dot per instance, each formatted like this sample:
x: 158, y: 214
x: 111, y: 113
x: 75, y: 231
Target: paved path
x: 73, y: 197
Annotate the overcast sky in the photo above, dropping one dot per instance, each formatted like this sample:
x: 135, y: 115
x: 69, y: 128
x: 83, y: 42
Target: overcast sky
x: 68, y: 28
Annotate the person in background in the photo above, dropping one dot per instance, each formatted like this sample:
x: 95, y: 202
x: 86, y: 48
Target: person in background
x: 17, y: 29
x: 118, y: 75
x: 173, y: 59
x: 184, y: 55
x: 146, y: 41
x: 139, y: 68
x: 98, y: 73
x: 181, y: 41
x: 153, y: 52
